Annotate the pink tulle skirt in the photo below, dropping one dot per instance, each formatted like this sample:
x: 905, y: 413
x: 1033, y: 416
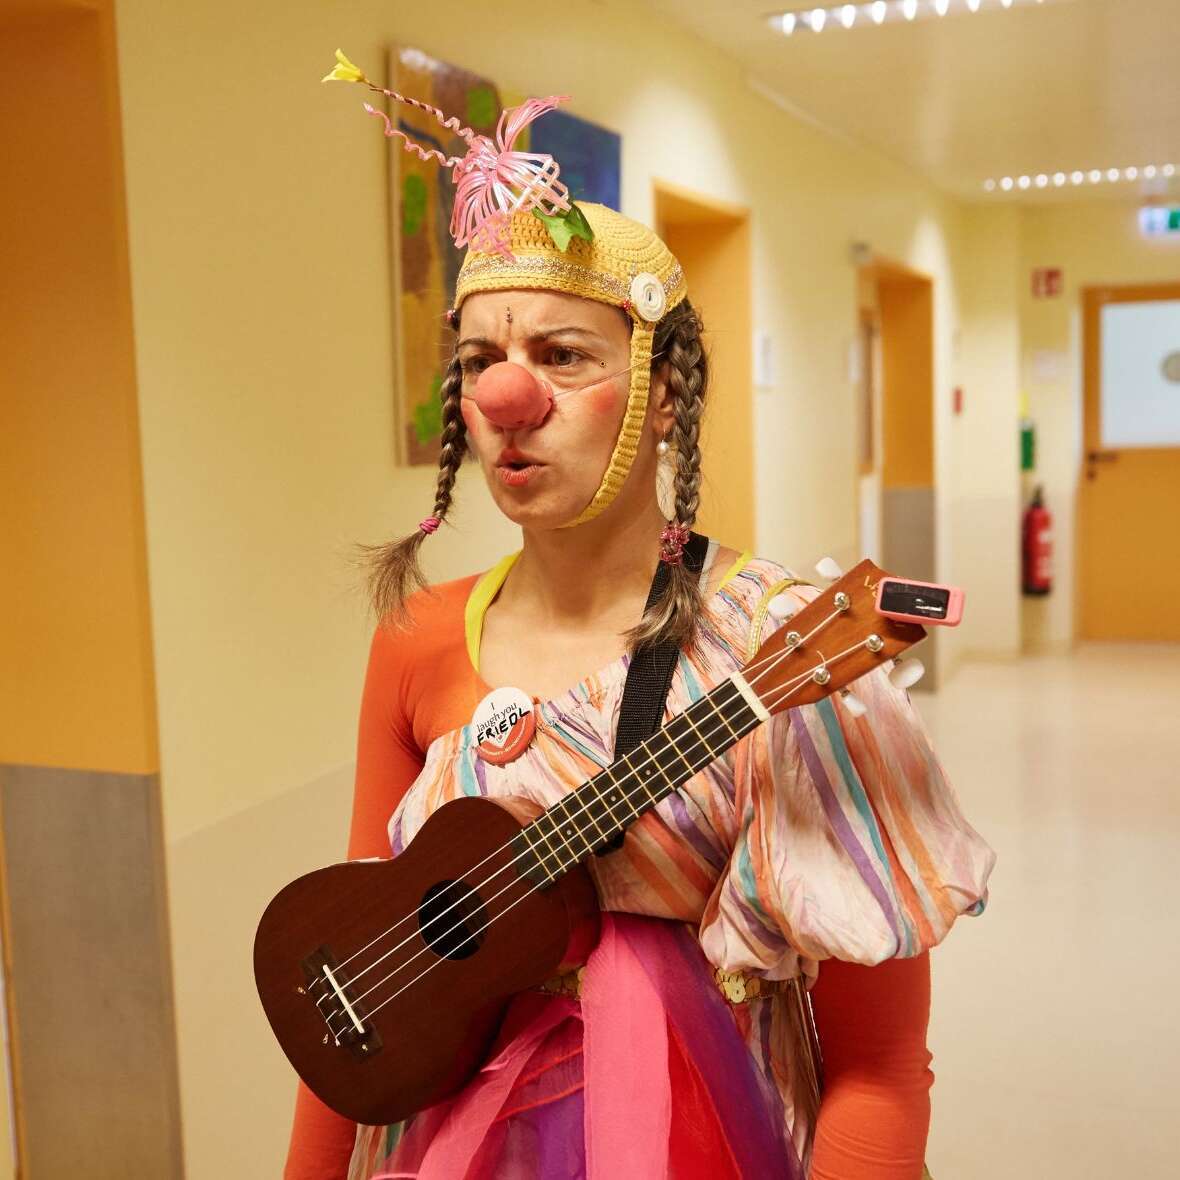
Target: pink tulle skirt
x: 647, y: 1076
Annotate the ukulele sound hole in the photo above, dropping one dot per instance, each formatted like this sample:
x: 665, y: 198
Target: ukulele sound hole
x: 452, y: 920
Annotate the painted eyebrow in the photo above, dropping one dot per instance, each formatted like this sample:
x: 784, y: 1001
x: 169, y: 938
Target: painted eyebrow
x: 539, y: 337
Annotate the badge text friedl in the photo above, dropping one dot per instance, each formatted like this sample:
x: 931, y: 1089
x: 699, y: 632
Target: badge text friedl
x: 499, y: 723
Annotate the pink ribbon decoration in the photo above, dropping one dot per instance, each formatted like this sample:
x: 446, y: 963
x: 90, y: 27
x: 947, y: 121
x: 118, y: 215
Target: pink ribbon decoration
x: 672, y: 542
x: 493, y: 181
x: 458, y: 1140
x: 628, y: 1103
x: 628, y: 1108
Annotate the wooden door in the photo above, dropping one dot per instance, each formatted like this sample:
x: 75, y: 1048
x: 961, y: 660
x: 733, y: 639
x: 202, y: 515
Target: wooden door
x: 1129, y: 491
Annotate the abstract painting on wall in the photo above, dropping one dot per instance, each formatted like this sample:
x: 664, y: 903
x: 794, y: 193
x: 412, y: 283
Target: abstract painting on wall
x: 426, y: 261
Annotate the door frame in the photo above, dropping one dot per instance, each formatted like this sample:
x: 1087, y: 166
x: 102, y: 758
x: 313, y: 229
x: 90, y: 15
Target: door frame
x: 883, y: 287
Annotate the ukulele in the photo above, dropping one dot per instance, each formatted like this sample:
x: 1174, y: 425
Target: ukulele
x: 385, y: 981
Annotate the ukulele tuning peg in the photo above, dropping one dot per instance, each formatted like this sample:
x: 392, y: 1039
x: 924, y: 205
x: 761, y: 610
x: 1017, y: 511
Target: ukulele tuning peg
x: 828, y: 569
x: 853, y: 703
x: 906, y: 673
x: 782, y: 606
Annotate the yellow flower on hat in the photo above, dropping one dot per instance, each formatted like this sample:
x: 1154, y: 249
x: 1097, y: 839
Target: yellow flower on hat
x: 344, y: 71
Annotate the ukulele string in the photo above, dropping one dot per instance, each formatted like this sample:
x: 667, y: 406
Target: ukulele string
x: 785, y: 691
x: 529, y: 892
x: 759, y: 669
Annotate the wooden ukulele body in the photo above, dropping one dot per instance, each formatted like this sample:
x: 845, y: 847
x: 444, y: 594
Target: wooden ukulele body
x: 420, y: 1044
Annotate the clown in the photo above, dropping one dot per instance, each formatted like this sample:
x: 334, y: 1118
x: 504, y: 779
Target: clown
x: 787, y: 895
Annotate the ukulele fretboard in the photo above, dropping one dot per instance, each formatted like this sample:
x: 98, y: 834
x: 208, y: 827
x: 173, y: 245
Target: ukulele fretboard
x: 589, y: 819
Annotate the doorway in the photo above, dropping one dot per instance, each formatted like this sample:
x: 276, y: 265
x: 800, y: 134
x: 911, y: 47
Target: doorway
x: 893, y: 359
x: 711, y: 241
x: 1129, y: 490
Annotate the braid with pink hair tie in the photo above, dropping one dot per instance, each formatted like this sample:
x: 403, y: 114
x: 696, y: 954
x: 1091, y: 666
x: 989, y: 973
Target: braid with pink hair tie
x: 430, y: 525
x: 672, y: 542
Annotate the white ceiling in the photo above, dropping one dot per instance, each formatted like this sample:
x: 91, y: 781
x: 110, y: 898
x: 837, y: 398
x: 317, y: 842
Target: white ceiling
x: 1061, y: 86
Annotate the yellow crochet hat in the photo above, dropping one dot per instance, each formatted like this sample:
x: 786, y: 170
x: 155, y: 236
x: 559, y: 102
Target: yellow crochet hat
x: 626, y: 265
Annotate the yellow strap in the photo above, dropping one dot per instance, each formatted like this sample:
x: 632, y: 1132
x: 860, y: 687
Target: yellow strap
x: 480, y: 599
x: 735, y: 569
x: 755, y: 640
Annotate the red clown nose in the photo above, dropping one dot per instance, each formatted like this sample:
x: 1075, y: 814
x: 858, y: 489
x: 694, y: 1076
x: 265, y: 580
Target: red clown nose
x: 510, y: 397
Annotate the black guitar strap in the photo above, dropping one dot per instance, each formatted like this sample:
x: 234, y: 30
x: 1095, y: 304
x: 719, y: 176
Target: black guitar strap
x: 649, y: 676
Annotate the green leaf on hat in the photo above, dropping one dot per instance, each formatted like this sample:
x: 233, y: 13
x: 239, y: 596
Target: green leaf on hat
x: 564, y: 227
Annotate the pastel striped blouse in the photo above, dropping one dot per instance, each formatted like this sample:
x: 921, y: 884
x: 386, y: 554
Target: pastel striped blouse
x: 818, y: 835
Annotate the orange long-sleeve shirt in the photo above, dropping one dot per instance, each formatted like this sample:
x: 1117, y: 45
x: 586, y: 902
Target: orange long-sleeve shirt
x: 871, y: 1021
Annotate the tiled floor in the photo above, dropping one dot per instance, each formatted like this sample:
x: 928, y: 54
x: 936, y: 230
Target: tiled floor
x: 1056, y: 1034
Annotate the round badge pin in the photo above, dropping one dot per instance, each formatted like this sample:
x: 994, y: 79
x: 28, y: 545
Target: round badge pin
x: 504, y: 724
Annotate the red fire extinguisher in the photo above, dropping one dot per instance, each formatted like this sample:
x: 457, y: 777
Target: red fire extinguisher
x: 1037, y: 563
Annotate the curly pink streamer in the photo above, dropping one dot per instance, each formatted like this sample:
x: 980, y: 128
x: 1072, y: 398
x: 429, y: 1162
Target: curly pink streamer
x: 492, y: 180
x: 451, y: 124
x: 424, y: 154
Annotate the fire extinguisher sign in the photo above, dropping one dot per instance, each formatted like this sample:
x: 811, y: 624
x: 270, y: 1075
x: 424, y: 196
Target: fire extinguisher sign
x: 1047, y: 282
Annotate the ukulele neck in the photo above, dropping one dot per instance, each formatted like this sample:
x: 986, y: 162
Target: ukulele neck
x: 591, y: 818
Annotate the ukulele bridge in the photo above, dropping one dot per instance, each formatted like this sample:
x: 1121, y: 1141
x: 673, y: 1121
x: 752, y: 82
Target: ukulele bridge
x: 329, y: 989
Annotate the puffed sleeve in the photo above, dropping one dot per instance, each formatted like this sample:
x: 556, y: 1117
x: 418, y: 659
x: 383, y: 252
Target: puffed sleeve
x: 850, y: 841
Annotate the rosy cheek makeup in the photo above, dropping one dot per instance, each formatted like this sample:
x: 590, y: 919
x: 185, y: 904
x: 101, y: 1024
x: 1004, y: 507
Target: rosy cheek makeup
x: 604, y: 401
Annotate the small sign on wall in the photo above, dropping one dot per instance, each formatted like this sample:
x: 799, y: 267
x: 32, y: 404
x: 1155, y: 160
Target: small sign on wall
x: 1048, y: 366
x: 765, y: 370
x: 1047, y: 282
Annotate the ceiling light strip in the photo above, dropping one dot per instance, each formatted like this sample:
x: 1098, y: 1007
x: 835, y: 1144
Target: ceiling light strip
x: 1080, y: 176
x: 879, y: 12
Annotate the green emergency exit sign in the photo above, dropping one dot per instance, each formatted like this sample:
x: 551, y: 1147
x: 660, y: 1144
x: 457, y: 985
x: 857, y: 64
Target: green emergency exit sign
x: 1158, y: 221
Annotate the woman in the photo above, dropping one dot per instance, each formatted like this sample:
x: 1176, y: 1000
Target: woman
x: 823, y: 847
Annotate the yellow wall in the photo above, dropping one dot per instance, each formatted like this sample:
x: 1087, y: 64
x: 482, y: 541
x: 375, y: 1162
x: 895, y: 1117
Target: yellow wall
x: 260, y: 275
x: 1093, y: 242
x: 981, y: 507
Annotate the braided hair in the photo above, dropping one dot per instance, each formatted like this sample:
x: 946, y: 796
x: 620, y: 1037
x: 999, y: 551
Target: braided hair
x: 392, y: 572
x: 678, y: 338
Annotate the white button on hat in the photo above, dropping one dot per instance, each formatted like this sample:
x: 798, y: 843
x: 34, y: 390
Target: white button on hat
x: 648, y: 297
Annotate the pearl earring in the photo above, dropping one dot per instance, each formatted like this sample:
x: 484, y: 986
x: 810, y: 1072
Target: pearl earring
x: 662, y: 447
